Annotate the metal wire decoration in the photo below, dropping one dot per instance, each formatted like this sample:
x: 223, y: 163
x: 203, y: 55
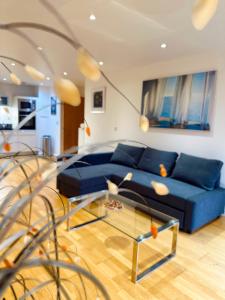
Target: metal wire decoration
x: 28, y: 241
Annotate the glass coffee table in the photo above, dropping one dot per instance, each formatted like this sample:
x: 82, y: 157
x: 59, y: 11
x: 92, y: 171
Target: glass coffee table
x: 131, y: 218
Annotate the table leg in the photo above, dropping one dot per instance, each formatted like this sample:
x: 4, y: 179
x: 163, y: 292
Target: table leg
x: 68, y: 219
x: 135, y: 277
x: 175, y: 230
x: 135, y: 262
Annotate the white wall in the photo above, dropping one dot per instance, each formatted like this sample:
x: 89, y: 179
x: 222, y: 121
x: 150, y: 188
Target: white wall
x: 121, y: 121
x: 48, y: 124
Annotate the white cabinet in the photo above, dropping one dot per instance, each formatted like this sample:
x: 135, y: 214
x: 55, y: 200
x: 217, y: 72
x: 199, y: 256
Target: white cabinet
x: 20, y: 139
x: 27, y: 138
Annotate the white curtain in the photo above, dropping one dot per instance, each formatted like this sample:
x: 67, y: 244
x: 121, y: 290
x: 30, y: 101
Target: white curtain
x: 160, y: 92
x: 207, y: 96
x: 181, y: 111
x: 153, y: 99
x: 177, y: 95
x: 149, y: 99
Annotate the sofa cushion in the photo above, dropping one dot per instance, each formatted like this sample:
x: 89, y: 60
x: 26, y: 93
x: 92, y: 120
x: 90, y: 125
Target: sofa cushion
x: 152, y: 158
x: 179, y: 192
x: 127, y: 155
x: 198, y: 171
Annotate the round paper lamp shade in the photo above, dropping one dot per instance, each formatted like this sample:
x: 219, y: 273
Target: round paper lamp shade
x: 87, y: 65
x: 128, y: 177
x: 88, y: 131
x: 33, y: 73
x: 144, y: 123
x: 67, y: 92
x: 160, y: 188
x: 112, y: 187
x: 202, y: 12
x: 15, y: 79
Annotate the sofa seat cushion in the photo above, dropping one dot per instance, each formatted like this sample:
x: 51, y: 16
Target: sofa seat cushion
x: 92, y: 175
x: 152, y: 158
x: 127, y: 155
x: 180, y: 192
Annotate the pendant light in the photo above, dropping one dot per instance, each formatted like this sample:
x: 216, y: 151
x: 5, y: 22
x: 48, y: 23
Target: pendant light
x: 202, y: 13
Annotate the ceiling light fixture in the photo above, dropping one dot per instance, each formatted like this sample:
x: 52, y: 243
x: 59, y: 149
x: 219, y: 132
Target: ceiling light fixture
x: 92, y: 17
x: 163, y: 45
x: 13, y: 64
x: 4, y: 79
x: 65, y: 73
x: 101, y: 63
x: 48, y: 78
x: 202, y: 12
x: 39, y: 48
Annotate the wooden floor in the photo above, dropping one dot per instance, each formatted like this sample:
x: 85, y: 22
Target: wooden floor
x: 197, y: 272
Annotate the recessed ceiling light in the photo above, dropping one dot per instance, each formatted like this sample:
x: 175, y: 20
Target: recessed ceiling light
x: 92, y: 17
x: 48, y: 78
x: 101, y: 63
x: 39, y: 48
x: 65, y: 73
x: 13, y: 64
x: 163, y: 45
x: 4, y: 79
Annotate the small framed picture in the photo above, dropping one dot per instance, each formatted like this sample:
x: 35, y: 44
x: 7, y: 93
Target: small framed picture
x: 98, y: 100
x: 53, y: 105
x: 3, y: 100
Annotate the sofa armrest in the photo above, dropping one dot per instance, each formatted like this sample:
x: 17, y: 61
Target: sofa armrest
x: 203, y: 208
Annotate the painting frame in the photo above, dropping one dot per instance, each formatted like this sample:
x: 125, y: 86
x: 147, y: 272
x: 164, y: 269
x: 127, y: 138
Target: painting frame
x: 98, y: 100
x: 180, y: 101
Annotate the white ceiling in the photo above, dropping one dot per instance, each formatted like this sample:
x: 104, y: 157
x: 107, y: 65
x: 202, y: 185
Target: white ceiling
x: 125, y: 34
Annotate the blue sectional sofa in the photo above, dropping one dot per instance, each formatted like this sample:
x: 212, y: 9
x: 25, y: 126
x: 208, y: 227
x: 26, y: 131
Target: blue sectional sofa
x: 195, y: 196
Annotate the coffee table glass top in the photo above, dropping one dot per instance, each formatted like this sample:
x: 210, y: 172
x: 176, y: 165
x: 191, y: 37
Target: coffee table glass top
x: 132, y: 218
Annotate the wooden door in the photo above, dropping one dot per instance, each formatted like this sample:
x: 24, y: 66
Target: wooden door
x: 72, y: 118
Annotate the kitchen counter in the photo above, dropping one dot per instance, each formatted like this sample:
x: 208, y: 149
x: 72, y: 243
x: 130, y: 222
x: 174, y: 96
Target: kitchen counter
x: 27, y: 132
x: 20, y: 131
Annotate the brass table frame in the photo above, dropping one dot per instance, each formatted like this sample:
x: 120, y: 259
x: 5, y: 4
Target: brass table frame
x: 172, y: 225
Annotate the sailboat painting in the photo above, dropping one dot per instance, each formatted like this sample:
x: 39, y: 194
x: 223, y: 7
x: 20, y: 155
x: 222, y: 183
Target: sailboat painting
x: 183, y: 102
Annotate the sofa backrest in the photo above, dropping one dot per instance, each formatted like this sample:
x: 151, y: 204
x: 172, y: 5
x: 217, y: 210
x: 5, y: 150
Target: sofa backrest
x: 201, y: 172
